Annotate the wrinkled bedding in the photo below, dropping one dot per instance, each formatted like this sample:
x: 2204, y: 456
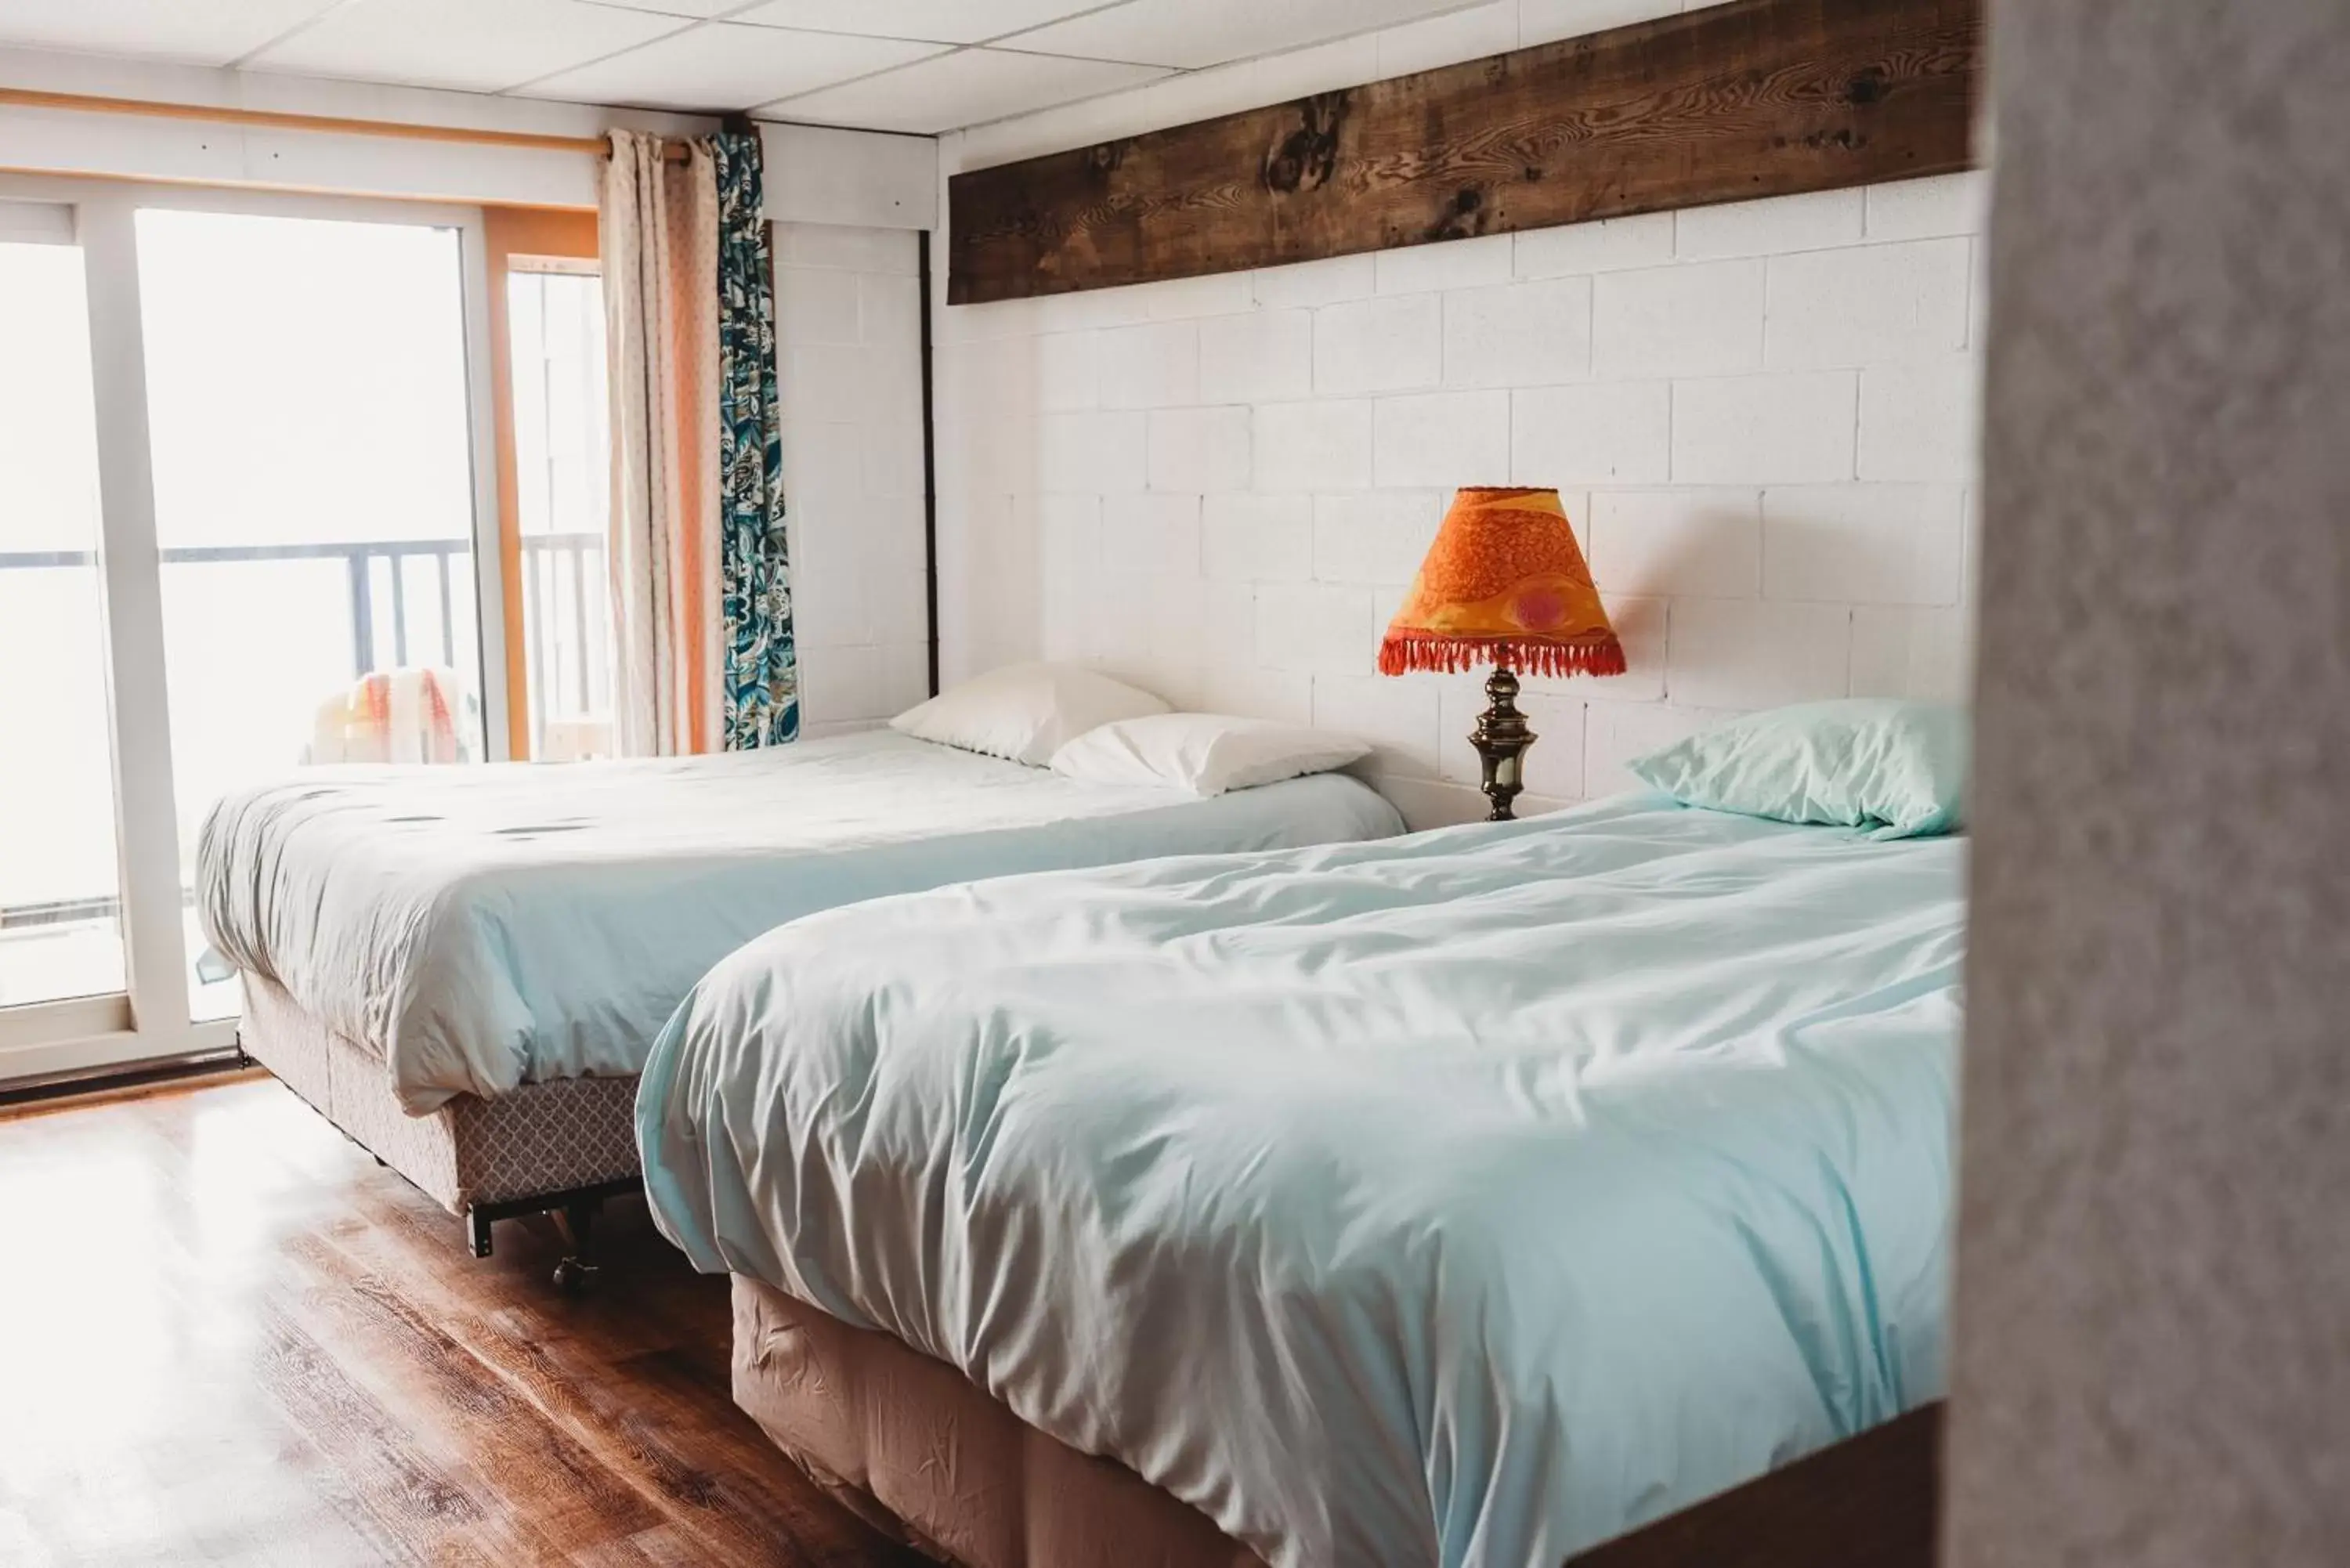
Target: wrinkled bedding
x: 488, y: 926
x: 1466, y: 1198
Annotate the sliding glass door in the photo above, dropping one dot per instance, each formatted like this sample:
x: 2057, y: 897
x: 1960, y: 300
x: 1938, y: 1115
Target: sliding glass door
x: 247, y: 524
x: 60, y: 904
x: 307, y: 415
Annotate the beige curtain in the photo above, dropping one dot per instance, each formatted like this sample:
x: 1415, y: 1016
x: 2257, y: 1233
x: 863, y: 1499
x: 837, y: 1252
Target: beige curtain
x: 659, y: 244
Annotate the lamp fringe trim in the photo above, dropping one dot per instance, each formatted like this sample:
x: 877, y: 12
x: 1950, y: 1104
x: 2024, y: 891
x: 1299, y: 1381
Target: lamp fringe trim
x: 1403, y: 651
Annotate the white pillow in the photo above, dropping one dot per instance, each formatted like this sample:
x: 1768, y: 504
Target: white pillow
x: 1206, y: 754
x: 1024, y: 711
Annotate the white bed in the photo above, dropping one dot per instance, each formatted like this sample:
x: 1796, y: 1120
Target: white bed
x: 1464, y: 1199
x: 418, y: 937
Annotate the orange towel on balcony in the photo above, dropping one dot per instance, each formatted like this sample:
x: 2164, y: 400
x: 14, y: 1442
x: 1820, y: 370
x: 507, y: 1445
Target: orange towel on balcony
x: 398, y: 716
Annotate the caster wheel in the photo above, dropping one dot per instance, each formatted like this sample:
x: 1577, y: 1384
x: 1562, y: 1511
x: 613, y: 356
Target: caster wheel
x: 575, y: 1278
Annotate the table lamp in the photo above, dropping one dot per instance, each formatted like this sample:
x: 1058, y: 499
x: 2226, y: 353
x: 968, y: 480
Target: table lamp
x: 1503, y: 584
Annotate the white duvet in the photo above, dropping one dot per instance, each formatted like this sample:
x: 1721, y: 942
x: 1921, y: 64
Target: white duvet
x: 1461, y: 1200
x: 492, y: 926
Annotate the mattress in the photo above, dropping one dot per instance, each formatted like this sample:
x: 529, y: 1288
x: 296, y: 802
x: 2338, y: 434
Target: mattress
x: 483, y: 928
x: 1468, y: 1198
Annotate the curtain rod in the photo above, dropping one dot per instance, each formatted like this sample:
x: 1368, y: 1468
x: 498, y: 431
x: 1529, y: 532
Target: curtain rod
x: 587, y: 146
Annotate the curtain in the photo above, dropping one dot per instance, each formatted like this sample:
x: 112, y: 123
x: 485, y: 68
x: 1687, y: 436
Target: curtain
x: 659, y: 244
x: 761, y: 677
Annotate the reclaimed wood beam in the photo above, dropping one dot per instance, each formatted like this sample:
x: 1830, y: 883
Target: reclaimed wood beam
x: 1757, y: 98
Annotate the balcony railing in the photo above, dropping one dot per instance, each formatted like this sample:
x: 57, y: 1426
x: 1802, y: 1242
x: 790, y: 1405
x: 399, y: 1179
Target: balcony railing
x: 565, y: 615
x: 562, y: 597
x: 564, y: 621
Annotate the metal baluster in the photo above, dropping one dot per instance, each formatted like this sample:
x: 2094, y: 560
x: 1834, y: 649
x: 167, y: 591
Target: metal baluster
x: 598, y: 637
x: 448, y: 617
x: 534, y: 629
x: 579, y: 615
x: 362, y: 614
x: 552, y: 638
x: 397, y: 562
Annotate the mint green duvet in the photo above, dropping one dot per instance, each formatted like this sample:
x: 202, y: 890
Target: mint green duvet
x: 1466, y: 1198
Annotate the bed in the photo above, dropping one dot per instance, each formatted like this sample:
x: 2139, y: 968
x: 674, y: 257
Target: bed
x: 463, y: 968
x: 1467, y: 1197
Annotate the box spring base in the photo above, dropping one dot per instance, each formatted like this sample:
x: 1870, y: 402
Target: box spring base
x: 554, y: 1140
x: 914, y: 1448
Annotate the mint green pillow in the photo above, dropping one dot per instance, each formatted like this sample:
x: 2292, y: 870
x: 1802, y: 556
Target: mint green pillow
x: 1897, y: 768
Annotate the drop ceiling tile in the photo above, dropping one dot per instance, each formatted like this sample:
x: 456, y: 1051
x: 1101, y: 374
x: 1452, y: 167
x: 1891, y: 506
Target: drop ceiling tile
x: 691, y: 10
x: 963, y: 89
x: 948, y: 21
x: 1191, y: 33
x: 1446, y: 40
x: 718, y: 66
x: 479, y: 45
x: 211, y: 34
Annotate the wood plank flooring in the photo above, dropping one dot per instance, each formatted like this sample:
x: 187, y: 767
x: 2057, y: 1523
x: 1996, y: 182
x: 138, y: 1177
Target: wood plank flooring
x: 228, y: 1336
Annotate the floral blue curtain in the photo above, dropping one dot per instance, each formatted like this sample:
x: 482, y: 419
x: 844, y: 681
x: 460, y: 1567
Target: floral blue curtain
x: 759, y: 663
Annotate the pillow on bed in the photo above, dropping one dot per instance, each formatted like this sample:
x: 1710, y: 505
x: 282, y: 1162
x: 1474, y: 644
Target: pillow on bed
x: 1898, y: 768
x: 1024, y: 711
x: 1207, y: 754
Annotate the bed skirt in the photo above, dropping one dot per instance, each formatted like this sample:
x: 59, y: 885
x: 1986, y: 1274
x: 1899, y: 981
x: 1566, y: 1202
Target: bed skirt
x: 912, y: 1445
x: 542, y: 1138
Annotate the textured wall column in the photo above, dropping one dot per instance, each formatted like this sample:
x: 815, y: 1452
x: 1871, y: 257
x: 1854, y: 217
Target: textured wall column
x: 2153, y: 1314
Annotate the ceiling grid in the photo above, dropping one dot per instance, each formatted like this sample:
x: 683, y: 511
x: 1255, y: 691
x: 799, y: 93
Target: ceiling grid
x: 925, y: 66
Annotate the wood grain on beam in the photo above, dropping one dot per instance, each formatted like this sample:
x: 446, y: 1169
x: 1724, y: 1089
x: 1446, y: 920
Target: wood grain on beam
x: 1759, y: 98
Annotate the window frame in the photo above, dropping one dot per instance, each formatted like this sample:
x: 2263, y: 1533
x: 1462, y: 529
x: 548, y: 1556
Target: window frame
x: 521, y: 239
x: 148, y: 1021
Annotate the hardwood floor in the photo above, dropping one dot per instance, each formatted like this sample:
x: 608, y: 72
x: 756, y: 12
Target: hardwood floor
x: 228, y: 1336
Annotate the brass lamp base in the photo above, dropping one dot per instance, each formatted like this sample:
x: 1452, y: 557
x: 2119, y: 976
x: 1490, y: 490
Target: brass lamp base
x: 1501, y: 738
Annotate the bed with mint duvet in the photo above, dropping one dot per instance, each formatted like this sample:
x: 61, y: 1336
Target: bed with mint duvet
x: 1465, y: 1197
x: 484, y: 928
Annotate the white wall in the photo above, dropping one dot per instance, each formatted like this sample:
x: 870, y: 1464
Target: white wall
x: 1762, y: 416
x: 821, y: 175
x: 848, y: 353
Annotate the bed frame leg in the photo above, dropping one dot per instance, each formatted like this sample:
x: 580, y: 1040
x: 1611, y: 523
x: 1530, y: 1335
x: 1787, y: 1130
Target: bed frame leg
x: 574, y: 1210
x: 574, y: 1275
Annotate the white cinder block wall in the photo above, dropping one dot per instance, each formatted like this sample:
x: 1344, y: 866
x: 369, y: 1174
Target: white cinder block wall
x: 848, y: 353
x: 1762, y: 416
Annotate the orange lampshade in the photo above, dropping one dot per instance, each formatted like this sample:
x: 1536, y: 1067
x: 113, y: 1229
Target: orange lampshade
x: 1503, y: 584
